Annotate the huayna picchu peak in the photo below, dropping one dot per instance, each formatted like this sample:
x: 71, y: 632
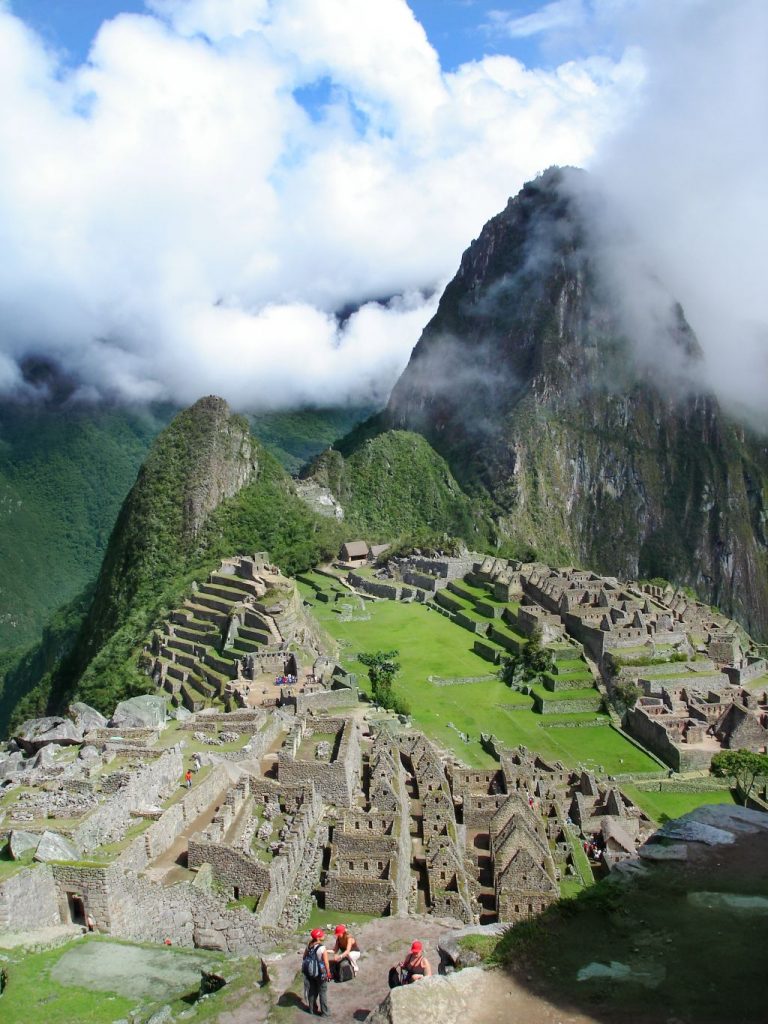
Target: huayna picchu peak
x: 575, y: 412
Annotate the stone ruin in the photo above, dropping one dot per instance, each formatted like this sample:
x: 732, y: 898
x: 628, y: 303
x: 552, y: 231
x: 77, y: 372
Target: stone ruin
x: 232, y: 636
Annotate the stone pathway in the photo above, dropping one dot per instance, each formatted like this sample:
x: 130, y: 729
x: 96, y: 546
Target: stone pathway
x: 55, y: 935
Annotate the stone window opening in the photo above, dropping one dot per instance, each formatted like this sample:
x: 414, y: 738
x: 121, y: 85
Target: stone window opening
x: 235, y: 892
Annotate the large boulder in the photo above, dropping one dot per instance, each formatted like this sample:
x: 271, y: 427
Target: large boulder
x: 11, y: 764
x: 86, y: 717
x: 434, y: 1000
x: 144, y: 712
x: 38, y: 732
x: 20, y: 842
x: 53, y: 847
x: 44, y: 758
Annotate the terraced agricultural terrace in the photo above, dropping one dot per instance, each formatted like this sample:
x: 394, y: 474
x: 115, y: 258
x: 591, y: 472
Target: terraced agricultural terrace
x: 512, y: 782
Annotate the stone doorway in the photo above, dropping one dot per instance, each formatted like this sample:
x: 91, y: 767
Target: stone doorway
x: 76, y: 907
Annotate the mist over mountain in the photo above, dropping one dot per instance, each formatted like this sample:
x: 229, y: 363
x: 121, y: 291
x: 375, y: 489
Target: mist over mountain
x: 580, y: 408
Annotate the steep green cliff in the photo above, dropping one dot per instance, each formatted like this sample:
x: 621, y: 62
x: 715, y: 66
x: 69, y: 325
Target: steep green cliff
x: 394, y: 485
x: 64, y: 471
x: 593, y: 441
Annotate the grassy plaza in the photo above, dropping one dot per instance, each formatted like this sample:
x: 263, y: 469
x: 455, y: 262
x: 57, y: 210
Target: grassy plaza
x: 430, y: 644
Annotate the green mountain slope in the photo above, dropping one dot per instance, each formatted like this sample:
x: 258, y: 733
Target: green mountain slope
x: 395, y: 486
x: 64, y: 472
x: 207, y: 490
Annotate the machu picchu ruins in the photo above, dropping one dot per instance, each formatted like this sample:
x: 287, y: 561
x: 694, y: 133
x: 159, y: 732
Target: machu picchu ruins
x: 304, y: 793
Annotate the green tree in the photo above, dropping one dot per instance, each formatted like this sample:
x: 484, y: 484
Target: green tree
x: 626, y: 694
x: 743, y: 767
x: 382, y: 667
x: 529, y: 664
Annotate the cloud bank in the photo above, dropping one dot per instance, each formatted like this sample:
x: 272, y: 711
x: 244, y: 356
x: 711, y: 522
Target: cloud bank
x: 192, y: 208
x: 189, y: 210
x: 684, y: 177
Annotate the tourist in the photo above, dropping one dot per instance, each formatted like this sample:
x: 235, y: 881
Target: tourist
x: 188, y: 779
x: 346, y: 947
x: 317, y: 974
x: 415, y: 966
x: 196, y: 761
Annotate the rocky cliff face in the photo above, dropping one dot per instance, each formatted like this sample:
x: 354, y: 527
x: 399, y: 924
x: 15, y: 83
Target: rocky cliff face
x: 575, y: 407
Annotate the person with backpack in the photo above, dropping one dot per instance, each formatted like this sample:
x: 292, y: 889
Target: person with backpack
x: 346, y: 951
x: 317, y: 974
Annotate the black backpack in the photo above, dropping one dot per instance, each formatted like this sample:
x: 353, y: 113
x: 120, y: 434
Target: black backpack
x: 346, y: 971
x: 394, y: 977
x: 310, y: 964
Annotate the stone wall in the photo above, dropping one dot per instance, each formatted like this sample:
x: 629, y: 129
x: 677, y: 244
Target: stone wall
x: 231, y: 868
x: 565, y: 707
x: 376, y: 588
x: 652, y: 734
x: 148, y: 785
x: 321, y: 700
x: 361, y: 896
x: 161, y: 834
x: 28, y: 900
x: 336, y: 782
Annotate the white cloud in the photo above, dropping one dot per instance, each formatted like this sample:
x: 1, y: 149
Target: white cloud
x: 560, y: 14
x: 173, y: 221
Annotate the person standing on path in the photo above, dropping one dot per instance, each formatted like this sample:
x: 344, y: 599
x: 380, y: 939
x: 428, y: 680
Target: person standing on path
x: 317, y: 974
x: 188, y: 779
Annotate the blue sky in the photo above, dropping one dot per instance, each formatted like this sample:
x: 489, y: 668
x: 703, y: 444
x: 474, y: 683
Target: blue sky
x: 458, y: 29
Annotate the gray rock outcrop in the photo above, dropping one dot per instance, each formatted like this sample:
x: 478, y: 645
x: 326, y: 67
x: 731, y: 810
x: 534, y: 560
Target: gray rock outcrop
x: 144, y: 712
x: 54, y: 847
x: 38, y: 732
x: 20, y: 842
x: 453, y: 954
x: 434, y: 1000
x: 86, y: 717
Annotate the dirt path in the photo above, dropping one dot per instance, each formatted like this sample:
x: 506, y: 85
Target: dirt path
x: 167, y: 866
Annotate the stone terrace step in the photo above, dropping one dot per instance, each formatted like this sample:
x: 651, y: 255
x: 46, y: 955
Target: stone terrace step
x: 217, y: 604
x: 207, y: 614
x: 197, y: 636
x: 234, y: 583
x: 257, y: 636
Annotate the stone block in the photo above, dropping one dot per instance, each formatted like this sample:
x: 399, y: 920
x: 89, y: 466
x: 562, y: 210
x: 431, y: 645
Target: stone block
x: 144, y: 712
x: 38, y: 732
x: 20, y: 842
x: 85, y: 717
x: 54, y: 847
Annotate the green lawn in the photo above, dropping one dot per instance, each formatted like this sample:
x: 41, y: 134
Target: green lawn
x: 661, y: 806
x: 430, y: 644
x: 323, y: 918
x: 93, y: 981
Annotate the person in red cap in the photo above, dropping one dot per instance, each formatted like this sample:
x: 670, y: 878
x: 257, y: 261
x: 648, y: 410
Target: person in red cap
x: 415, y: 966
x: 317, y: 974
x: 346, y: 947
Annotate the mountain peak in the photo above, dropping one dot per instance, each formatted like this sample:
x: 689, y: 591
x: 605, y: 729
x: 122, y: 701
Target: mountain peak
x: 560, y: 378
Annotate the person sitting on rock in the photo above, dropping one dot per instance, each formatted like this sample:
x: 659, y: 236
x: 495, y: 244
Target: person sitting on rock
x: 415, y: 966
x: 346, y: 947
